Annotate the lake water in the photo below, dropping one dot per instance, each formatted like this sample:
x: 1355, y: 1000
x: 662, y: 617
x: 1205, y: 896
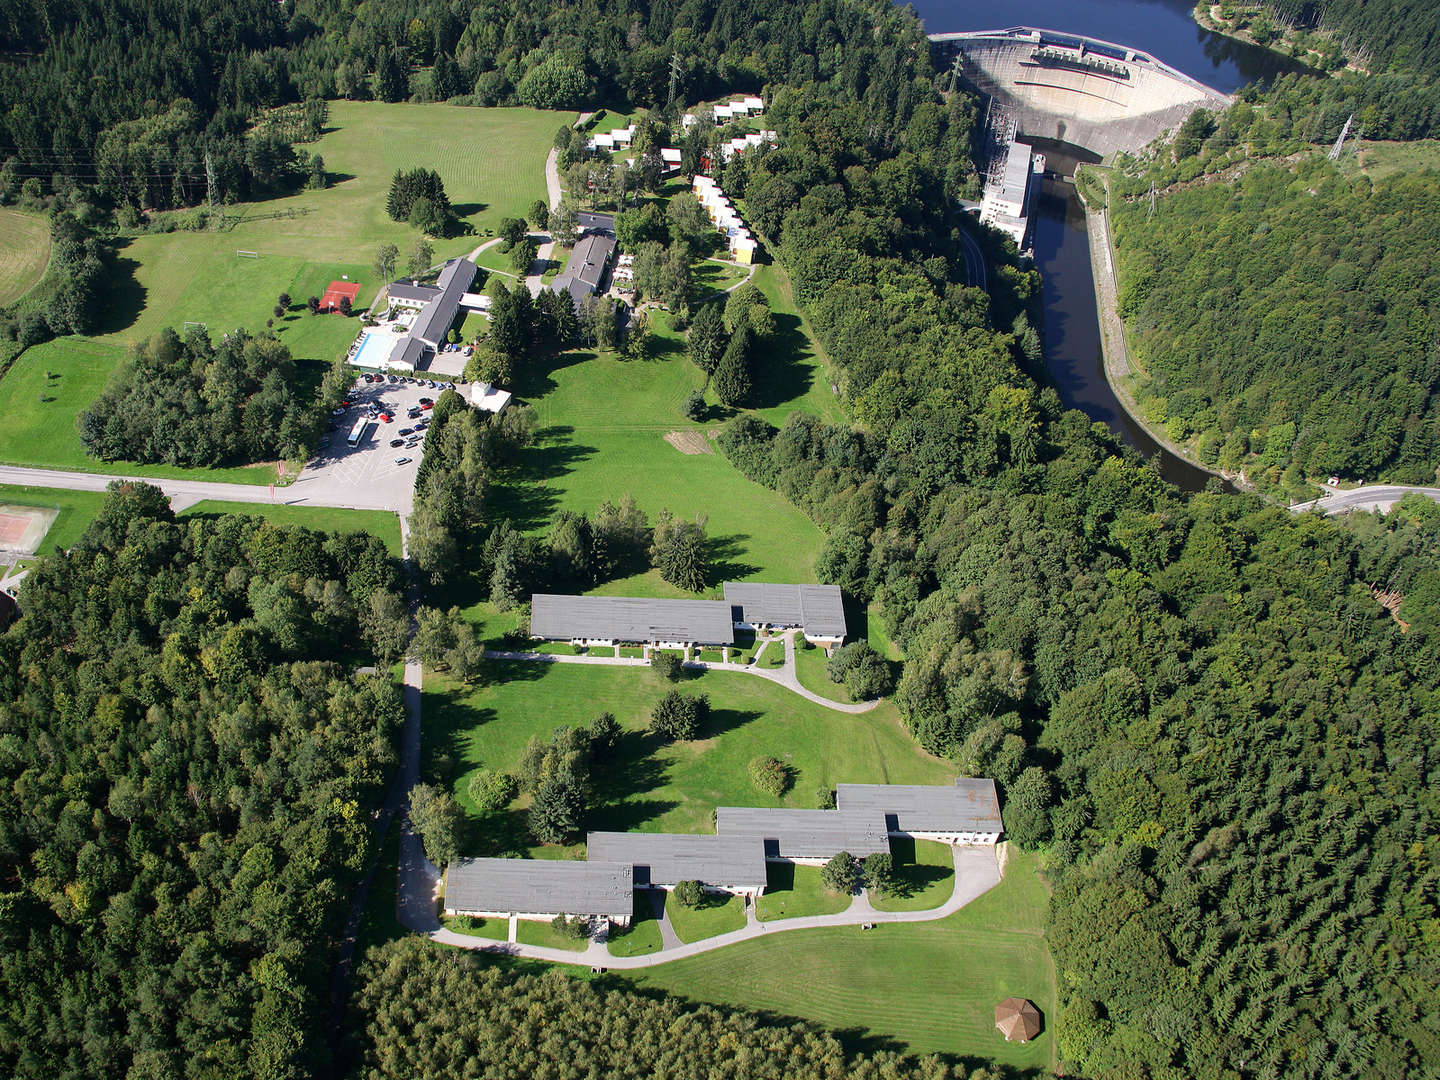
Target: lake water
x: 1165, y: 29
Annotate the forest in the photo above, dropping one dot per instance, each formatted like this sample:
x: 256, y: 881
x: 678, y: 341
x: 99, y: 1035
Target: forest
x: 192, y: 402
x: 189, y: 768
x: 1215, y: 284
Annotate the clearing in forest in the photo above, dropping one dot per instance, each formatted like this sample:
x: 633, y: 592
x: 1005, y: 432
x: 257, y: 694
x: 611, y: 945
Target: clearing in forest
x: 24, y: 252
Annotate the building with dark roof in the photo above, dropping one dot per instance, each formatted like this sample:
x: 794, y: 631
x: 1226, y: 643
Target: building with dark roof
x: 585, y: 274
x: 437, y: 316
x: 408, y: 295
x: 806, y: 836
x: 411, y: 354
x: 591, y: 221
x: 818, y: 610
x: 539, y: 889
x: 733, y: 864
x: 965, y: 812
x: 605, y: 620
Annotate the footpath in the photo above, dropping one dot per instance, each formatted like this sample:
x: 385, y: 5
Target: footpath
x: 977, y: 871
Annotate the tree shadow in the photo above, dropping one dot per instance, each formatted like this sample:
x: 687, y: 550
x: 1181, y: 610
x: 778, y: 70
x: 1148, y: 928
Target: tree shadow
x: 522, y: 495
x: 335, y: 179
x: 468, y: 209
x: 722, y: 721
x: 125, y: 296
x: 534, y: 379
x: 722, y: 553
x: 779, y: 369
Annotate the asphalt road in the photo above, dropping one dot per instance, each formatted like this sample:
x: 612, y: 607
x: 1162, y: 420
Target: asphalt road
x: 1374, y: 497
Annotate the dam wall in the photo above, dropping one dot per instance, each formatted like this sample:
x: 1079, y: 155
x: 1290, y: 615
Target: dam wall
x: 1090, y: 93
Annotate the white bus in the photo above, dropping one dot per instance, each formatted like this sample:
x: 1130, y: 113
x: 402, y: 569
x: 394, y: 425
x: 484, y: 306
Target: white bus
x: 358, y: 432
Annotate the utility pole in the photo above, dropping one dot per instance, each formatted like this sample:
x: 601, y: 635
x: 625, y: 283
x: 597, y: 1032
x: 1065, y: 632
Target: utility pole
x: 1151, y: 213
x: 209, y: 178
x: 1340, y: 142
x: 674, y: 77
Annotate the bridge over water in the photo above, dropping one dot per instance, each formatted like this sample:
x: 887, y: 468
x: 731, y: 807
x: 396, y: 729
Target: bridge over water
x: 1090, y: 93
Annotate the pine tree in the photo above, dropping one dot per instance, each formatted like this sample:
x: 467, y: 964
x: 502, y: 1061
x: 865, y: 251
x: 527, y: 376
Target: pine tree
x: 732, y: 376
x: 391, y: 82
x: 558, y: 808
x: 707, y: 338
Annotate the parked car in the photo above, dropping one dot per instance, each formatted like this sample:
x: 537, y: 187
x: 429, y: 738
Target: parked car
x: 397, y: 443
x: 385, y: 417
x: 428, y: 405
x: 394, y: 378
x: 402, y: 461
x: 337, y: 412
x: 425, y: 401
x: 406, y: 431
x: 423, y: 424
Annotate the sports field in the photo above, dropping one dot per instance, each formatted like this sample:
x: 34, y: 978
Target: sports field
x: 24, y: 252
x: 649, y: 785
x: 931, y: 987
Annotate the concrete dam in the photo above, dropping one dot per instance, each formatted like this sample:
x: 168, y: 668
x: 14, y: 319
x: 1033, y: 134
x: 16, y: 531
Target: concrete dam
x: 1094, y: 94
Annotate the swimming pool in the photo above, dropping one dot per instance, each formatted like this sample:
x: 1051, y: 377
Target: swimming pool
x: 374, y: 351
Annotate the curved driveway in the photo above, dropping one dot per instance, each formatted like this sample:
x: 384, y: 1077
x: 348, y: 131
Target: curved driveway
x: 1374, y: 497
x: 977, y: 871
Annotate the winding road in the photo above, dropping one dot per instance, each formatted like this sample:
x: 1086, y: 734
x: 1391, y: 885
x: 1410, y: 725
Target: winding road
x: 1366, y: 499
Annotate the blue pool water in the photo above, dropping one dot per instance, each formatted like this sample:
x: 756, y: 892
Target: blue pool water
x: 376, y: 350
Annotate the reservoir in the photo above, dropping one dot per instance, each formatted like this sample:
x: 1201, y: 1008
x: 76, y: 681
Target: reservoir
x: 1165, y: 29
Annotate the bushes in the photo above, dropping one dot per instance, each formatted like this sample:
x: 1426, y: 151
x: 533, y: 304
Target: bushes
x: 689, y: 894
x: 861, y: 669
x: 678, y: 717
x: 771, y: 776
x: 667, y: 665
x: 841, y: 874
x: 491, y: 790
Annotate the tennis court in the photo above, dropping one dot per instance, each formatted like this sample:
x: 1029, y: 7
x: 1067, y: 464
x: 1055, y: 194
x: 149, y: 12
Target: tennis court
x: 336, y: 291
x: 23, y: 527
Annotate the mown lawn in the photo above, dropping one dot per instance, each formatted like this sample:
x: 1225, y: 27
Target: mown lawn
x: 924, y: 876
x: 790, y: 372
x: 470, y: 926
x: 24, y: 252
x: 532, y: 932
x: 931, y: 986
x: 810, y: 665
x: 601, y: 435
x: 648, y: 785
x: 794, y: 891
x: 716, y: 915
x: 379, y: 523
x: 77, y: 510
x: 642, y: 936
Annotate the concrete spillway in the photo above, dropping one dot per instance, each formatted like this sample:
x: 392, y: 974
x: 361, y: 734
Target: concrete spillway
x: 1078, y: 90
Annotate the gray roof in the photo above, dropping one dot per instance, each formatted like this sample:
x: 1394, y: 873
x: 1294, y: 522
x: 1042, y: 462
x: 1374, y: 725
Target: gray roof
x: 818, y: 608
x: 806, y: 834
x: 965, y: 806
x: 411, y: 353
x: 592, y: 254
x: 577, y: 289
x: 436, y: 317
x: 630, y: 618
x: 667, y: 858
x: 539, y: 886
x: 589, y: 220
x: 420, y: 293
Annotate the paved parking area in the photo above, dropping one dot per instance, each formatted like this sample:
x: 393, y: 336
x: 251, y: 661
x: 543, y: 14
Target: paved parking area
x: 369, y: 470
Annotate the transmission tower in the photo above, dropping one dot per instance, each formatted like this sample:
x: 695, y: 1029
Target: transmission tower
x: 674, y: 76
x: 1340, y: 142
x: 1151, y: 212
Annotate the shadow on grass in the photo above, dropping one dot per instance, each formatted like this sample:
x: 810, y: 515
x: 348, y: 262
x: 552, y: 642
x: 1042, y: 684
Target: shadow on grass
x: 780, y: 370
x: 522, y: 496
x: 722, y: 721
x: 534, y: 380
x: 723, y: 554
x: 124, y: 298
x: 911, y: 878
x: 469, y: 209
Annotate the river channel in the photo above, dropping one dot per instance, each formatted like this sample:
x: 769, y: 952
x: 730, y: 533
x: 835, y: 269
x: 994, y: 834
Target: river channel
x: 1165, y: 29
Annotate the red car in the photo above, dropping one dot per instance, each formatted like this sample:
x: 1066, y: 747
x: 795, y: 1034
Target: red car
x: 385, y: 416
x: 428, y: 405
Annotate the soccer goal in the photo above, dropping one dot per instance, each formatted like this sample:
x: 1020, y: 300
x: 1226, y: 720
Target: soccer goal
x: 195, y: 326
x: 246, y: 254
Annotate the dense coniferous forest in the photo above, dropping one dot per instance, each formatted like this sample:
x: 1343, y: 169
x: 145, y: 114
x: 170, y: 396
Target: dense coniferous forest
x: 1290, y: 320
x: 1388, y: 33
x: 189, y: 775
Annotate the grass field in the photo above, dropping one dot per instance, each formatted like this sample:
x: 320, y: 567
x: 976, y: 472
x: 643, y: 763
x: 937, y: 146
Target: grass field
x: 920, y: 987
x: 531, y: 932
x: 648, y: 785
x: 810, y: 670
x: 642, y: 936
x: 24, y: 252
x: 492, y: 162
x: 490, y: 929
x: 794, y: 891
x: 1380, y: 159
x: 325, y: 519
x: 77, y: 510
x: 601, y: 434
x: 791, y: 373
x: 716, y: 915
x: 924, y: 876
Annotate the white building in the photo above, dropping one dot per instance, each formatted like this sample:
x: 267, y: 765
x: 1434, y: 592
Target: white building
x: 1005, y: 204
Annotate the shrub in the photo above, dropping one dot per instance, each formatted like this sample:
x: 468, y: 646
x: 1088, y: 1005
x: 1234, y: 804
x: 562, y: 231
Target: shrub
x: 668, y: 665
x: 841, y: 874
x: 861, y: 669
x: 825, y: 798
x: 695, y: 406
x: 689, y: 894
x: 770, y: 776
x: 491, y: 790
x: 574, y: 927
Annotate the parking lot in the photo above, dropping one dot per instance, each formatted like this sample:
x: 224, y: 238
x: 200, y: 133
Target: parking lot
x: 371, y: 467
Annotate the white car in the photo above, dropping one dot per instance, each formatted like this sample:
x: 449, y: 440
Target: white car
x: 402, y: 461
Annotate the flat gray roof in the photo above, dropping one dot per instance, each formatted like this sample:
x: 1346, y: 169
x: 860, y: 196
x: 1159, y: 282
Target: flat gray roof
x: 539, y: 886
x: 666, y: 858
x: 419, y: 293
x: 589, y: 219
x: 820, y: 609
x: 436, y: 317
x: 806, y: 834
x: 630, y: 618
x: 965, y: 806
